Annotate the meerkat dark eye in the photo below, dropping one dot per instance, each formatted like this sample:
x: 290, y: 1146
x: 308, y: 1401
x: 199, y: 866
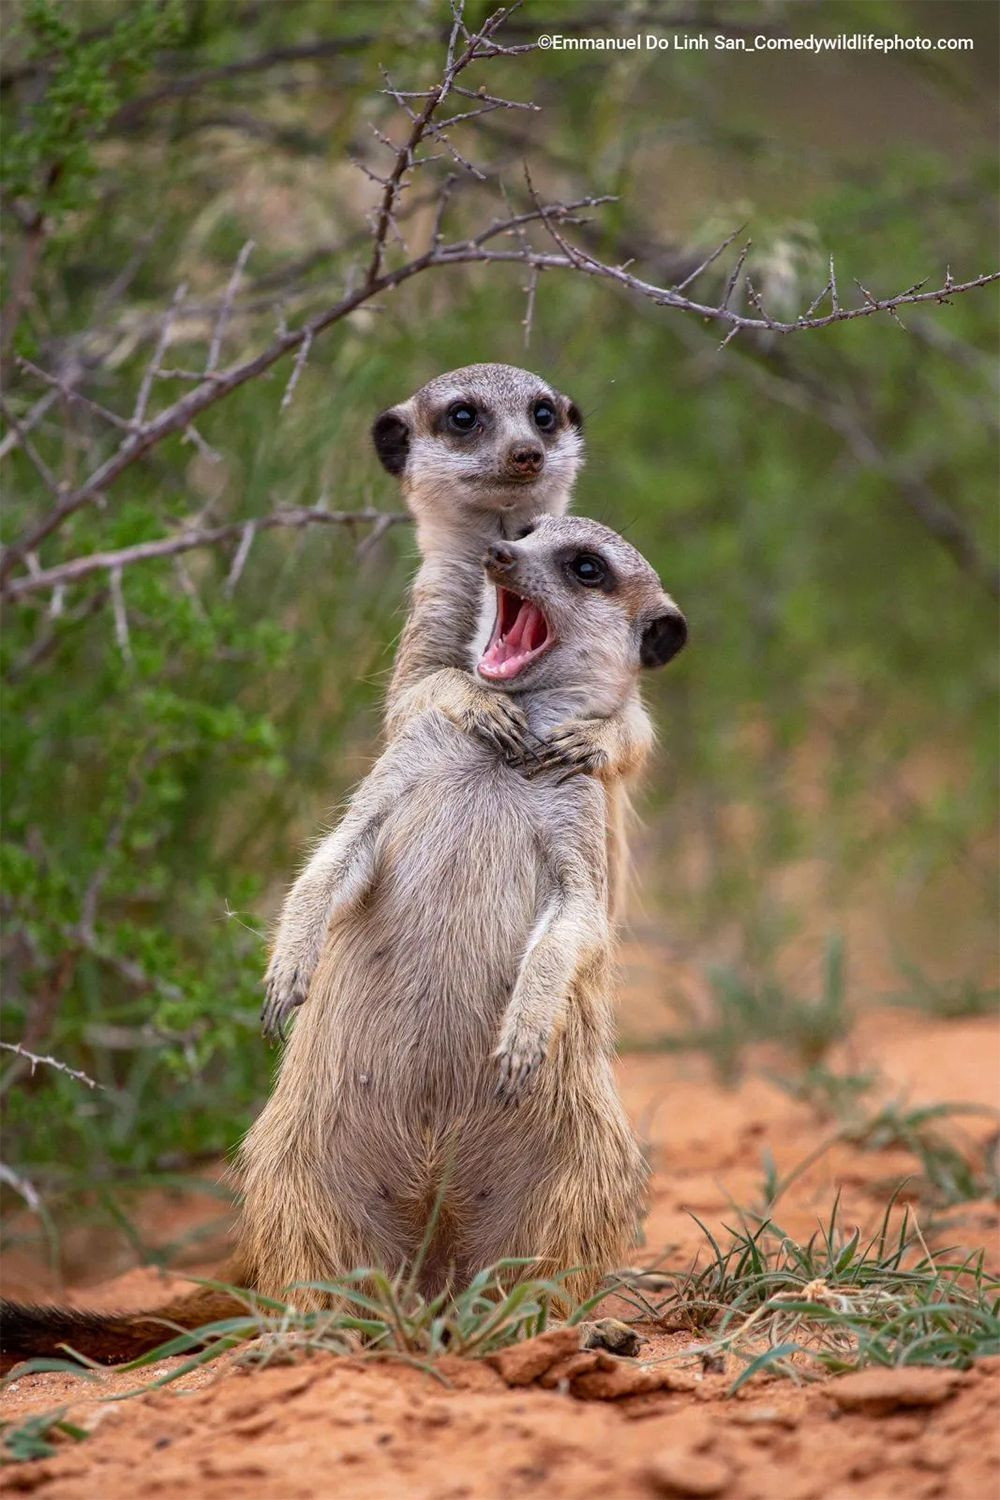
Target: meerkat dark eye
x: 544, y: 414
x: 589, y: 569
x: 462, y: 417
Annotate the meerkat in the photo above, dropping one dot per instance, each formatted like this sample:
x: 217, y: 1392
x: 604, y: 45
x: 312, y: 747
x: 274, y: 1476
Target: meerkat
x: 468, y: 964
x: 453, y: 1066
x: 479, y: 452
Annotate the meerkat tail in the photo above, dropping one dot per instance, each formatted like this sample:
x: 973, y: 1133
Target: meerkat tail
x: 30, y: 1331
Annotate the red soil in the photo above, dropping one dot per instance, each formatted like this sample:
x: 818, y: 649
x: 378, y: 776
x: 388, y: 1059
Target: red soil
x: 362, y: 1429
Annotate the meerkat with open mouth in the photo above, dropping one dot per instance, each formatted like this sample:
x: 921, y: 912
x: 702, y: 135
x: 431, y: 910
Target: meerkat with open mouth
x: 456, y: 1046
x: 447, y: 1101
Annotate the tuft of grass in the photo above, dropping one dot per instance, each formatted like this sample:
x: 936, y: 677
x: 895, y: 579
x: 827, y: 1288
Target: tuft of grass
x: 951, y: 1002
x: 954, y: 1170
x: 831, y: 1095
x: 33, y: 1437
x: 833, y: 1304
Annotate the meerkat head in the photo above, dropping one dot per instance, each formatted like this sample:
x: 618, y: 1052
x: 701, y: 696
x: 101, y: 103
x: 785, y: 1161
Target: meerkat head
x: 578, y: 609
x: 486, y: 443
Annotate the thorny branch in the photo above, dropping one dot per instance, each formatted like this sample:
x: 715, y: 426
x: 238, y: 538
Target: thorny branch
x: 739, y: 310
x: 186, y: 541
x: 50, y: 1062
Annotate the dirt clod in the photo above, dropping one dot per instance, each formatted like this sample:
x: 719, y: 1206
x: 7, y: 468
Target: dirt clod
x: 876, y: 1392
x: 686, y: 1474
x: 524, y: 1363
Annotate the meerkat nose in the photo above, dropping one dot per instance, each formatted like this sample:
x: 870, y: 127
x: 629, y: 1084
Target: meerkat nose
x: 500, y: 556
x: 527, y: 458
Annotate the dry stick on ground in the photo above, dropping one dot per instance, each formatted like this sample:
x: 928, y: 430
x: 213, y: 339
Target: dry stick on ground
x: 213, y: 385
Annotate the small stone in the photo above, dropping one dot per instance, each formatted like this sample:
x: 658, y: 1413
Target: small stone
x: 876, y: 1392
x: 613, y: 1335
x: 766, y: 1416
x: 683, y: 1474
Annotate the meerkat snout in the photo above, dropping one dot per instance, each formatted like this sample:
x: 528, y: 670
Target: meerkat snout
x: 524, y: 461
x: 499, y: 558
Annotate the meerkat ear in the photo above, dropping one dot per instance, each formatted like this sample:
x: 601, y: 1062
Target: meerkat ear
x: 574, y: 416
x: 663, y: 637
x: 391, y: 436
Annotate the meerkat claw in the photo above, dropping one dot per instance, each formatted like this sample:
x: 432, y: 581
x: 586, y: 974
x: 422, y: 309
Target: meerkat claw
x: 519, y: 1063
x: 572, y: 749
x: 281, y: 1000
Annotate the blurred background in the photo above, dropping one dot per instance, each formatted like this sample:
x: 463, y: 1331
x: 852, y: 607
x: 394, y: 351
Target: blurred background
x: 819, y: 824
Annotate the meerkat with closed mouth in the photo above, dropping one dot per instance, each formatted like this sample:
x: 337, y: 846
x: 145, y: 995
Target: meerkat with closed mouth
x: 479, y: 452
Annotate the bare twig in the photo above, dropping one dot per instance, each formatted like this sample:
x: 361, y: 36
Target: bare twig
x: 297, y: 368
x: 187, y: 541
x: 710, y: 260
x: 152, y: 369
x: 50, y: 1062
x: 240, y: 559
x: 22, y: 1186
x: 225, y: 311
x: 37, y: 462
x: 120, y: 612
x: 62, y: 388
x: 27, y: 422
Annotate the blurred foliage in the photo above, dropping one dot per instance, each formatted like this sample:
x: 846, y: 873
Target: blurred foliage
x: 828, y: 738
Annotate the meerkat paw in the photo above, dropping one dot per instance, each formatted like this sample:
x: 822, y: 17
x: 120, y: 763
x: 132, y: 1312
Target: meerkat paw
x: 574, y: 748
x: 286, y: 985
x: 519, y: 1057
x: 502, y: 725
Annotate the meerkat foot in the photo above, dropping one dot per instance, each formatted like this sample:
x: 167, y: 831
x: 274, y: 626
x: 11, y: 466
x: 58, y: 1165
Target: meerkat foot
x: 573, y: 748
x: 286, y: 985
x: 519, y: 1059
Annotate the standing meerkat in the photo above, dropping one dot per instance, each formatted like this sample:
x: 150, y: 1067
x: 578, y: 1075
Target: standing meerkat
x: 480, y: 452
x: 453, y: 1066
x: 469, y: 963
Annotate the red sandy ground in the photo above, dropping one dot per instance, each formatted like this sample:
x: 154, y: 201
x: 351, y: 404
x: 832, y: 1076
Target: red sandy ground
x: 366, y: 1431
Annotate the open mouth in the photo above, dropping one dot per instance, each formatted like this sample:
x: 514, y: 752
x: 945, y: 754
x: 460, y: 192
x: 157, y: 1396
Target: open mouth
x: 520, y: 636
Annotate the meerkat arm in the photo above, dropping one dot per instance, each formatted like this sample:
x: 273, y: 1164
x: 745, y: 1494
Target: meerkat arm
x: 609, y: 749
x: 492, y: 717
x: 566, y: 940
x: 337, y: 877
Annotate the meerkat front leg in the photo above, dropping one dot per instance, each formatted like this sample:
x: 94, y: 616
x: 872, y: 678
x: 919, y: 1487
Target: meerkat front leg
x: 569, y: 936
x: 337, y: 877
x: 491, y: 717
x: 609, y: 749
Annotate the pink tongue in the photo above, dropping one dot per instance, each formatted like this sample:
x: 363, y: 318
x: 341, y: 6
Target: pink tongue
x: 508, y: 653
